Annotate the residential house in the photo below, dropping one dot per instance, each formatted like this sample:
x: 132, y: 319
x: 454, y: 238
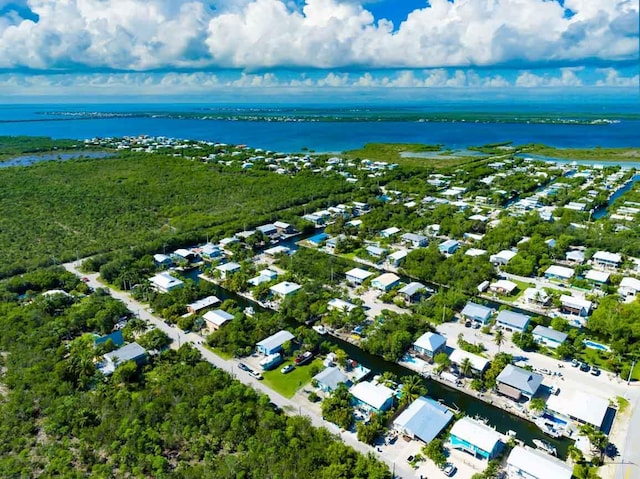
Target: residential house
x: 424, y: 419
x: 515, y: 382
x: 372, y: 397
x: 473, y: 252
x: 162, y: 260
x: 284, y: 289
x: 164, y: 282
x: 502, y: 258
x: 394, y: 259
x: 574, y: 256
x: 227, y: 269
x: 264, y: 276
x: 330, y: 378
x: 268, y: 229
x: 376, y: 251
x: 629, y: 287
x: 476, y: 312
x: 216, y: 319
x: 389, y: 232
x: 283, y: 228
x: 478, y: 363
x: 512, y: 321
x: 579, y: 407
x: 415, y: 240
x: 277, y: 250
x: 185, y: 255
x: 606, y: 259
x: 449, y: 246
x: 357, y: 276
x: 385, y: 282
x: 503, y: 286
x: 273, y: 344
x: 210, y: 251
x: 559, y: 273
x: 527, y: 463
x: 536, y: 296
x: 429, y: 344
x: 476, y: 438
x: 598, y: 278
x: 204, y: 303
x: 574, y: 305
x: 413, y: 292
x: 318, y: 239
x: 116, y: 338
x: 549, y: 337
x: 130, y: 352
x: 341, y: 305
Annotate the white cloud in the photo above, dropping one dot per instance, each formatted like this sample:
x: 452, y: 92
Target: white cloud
x: 612, y: 78
x: 140, y: 35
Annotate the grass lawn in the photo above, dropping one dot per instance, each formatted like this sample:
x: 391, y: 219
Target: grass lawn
x: 594, y: 357
x: 220, y: 352
x: 636, y: 372
x: 288, y: 384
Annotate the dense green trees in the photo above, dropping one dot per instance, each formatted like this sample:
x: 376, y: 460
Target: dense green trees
x: 392, y: 334
x: 337, y: 407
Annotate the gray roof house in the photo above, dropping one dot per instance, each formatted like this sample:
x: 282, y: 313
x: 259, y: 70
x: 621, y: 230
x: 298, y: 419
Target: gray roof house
x: 549, y: 337
x: 515, y: 382
x: 413, y: 291
x: 424, y: 419
x: 476, y: 312
x: 513, y: 321
x: 130, y: 352
x: 273, y: 343
x: 429, y: 344
x: 329, y: 379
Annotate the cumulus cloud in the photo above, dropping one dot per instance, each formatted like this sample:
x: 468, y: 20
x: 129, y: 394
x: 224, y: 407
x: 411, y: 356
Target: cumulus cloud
x: 141, y: 35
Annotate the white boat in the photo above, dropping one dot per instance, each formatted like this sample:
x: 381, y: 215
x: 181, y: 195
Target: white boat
x: 511, y: 433
x: 545, y: 446
x: 249, y: 311
x: 548, y: 428
x: 320, y: 329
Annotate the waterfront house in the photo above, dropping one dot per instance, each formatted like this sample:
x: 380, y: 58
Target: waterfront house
x: 273, y: 344
x: 478, y: 363
x: 284, y: 289
x: 415, y: 240
x: 372, y: 397
x: 502, y: 258
x: 330, y: 378
x: 606, y: 259
x: 476, y: 438
x: 318, y: 239
x: 558, y: 273
x: 341, y: 305
x: 204, y: 303
x: 394, y: 259
x: 579, y: 407
x: 429, y: 344
x: 597, y: 278
x: 629, y: 287
x: 413, y: 292
x: 164, y: 282
x: 527, y: 463
x: 264, y: 276
x: 316, y: 220
x: 512, y: 321
x: 185, y: 255
x: 549, y: 337
x: 515, y: 382
x: 536, y: 296
x: 277, y: 250
x: 226, y: 270
x: 449, y: 246
x: 503, y: 286
x: 283, y: 228
x: 574, y: 305
x: 476, y: 312
x: 131, y: 352
x: 357, y: 276
x: 268, y: 229
x: 162, y: 260
x: 385, y: 282
x: 424, y: 419
x: 215, y: 319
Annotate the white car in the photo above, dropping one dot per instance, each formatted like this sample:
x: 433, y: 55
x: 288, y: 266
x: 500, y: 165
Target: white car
x: 449, y: 470
x: 287, y: 369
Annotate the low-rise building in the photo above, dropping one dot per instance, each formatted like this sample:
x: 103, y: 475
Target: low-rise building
x: 216, y: 318
x: 629, y: 287
x: 536, y: 296
x: 415, y: 240
x: 578, y: 407
x: 341, y: 305
x: 527, y: 463
x: 512, y: 321
x: 413, y: 292
x: 130, y: 352
x: 503, y: 286
x: 574, y: 305
x: 449, y: 246
x: 372, y: 397
x: 478, y: 363
x: 357, y: 276
x: 549, y: 337
x: 389, y: 232
x: 226, y: 270
x: 503, y: 257
x: 396, y: 258
x: 385, y: 281
x: 284, y: 289
x: 476, y: 312
x: 476, y: 438
x: 330, y: 378
x: 574, y: 256
x: 606, y: 259
x: 273, y: 344
x: 597, y: 277
x: 424, y: 419
x: 204, y: 303
x: 515, y: 382
x: 559, y: 273
x: 164, y: 282
x: 429, y: 344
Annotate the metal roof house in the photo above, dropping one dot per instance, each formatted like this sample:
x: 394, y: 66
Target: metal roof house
x: 357, y: 275
x: 130, y: 352
x: 629, y: 287
x: 574, y: 305
x: 449, y: 246
x: 476, y: 312
x: 560, y: 273
x: 527, y: 463
x: 606, y: 259
x: 575, y: 256
x: 227, y: 269
x: 476, y: 438
x: 215, y: 319
x: 515, y: 382
x: 413, y: 291
x: 415, y: 240
x: 330, y: 378
x: 549, y: 337
x: 385, y: 281
x: 429, y: 344
x: 284, y: 289
x: 424, y: 419
x: 478, y: 363
x: 273, y: 343
x: 512, y: 321
x: 372, y: 397
x: 503, y: 257
x: 578, y: 406
x: 203, y: 303
x: 164, y: 282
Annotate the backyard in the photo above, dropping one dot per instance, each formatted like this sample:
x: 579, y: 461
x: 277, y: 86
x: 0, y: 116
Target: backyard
x: 288, y: 384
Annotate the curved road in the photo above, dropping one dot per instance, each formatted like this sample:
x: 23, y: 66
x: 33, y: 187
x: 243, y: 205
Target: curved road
x: 401, y: 470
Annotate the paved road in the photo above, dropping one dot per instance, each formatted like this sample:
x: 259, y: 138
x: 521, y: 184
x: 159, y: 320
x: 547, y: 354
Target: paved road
x: 401, y: 470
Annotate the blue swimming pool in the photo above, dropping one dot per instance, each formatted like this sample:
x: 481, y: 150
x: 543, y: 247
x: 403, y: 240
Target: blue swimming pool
x: 593, y: 345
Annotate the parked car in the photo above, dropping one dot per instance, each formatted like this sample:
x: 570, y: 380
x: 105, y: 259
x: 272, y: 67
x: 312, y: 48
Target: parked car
x: 85, y: 280
x: 476, y: 325
x: 585, y: 367
x: 595, y: 371
x: 467, y: 324
x: 244, y: 367
x: 449, y: 470
x: 287, y: 369
x: 255, y: 374
x: 575, y: 363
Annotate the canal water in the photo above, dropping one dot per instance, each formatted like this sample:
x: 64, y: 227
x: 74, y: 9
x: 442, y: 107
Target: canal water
x: 604, y: 210
x: 28, y: 160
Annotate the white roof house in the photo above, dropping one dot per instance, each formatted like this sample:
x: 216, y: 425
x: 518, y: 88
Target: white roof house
x: 397, y: 257
x: 164, y: 282
x: 202, y: 304
x: 536, y: 296
x: 513, y: 320
x: 475, y: 437
x: 387, y: 233
x: 597, y: 276
x: 385, y: 281
x: 357, y: 275
x: 217, y: 318
x: 528, y: 463
x: 575, y: 256
x: 478, y: 363
x: 284, y: 289
x: 274, y: 343
x: 341, y: 305
x: 375, y: 396
x: 559, y: 272
x: 503, y: 257
x: 129, y: 352
x: 605, y: 258
x: 629, y: 286
x: 549, y: 337
x: 503, y: 286
x: 575, y: 305
x: 579, y: 406
x: 423, y: 419
x: 227, y: 269
x: 475, y: 252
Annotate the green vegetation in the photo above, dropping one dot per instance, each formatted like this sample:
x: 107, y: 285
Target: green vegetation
x: 435, y: 451
x: 11, y: 146
x: 596, y: 154
x: 176, y: 417
x: 337, y: 407
x: 288, y: 384
x: 392, y: 153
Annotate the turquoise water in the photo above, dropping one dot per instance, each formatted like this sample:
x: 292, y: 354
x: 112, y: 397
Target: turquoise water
x: 594, y: 345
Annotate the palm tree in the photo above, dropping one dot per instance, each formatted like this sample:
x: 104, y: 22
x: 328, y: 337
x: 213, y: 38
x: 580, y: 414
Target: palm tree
x: 499, y: 338
x: 466, y: 367
x: 387, y: 378
x: 412, y: 388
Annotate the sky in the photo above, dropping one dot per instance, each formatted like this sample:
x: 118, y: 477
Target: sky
x: 197, y: 47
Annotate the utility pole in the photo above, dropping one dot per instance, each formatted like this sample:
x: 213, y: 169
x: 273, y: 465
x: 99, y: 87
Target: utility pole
x: 633, y: 365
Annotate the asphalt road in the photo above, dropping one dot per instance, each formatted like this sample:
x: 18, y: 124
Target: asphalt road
x: 402, y: 470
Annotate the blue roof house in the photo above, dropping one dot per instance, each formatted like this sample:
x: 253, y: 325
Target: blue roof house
x: 429, y: 344
x: 513, y: 321
x: 476, y: 312
x: 115, y: 337
x: 273, y: 344
x: 449, y: 246
x: 549, y: 337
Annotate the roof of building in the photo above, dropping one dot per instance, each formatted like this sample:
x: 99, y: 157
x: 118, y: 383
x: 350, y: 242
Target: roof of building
x: 358, y: 273
x: 275, y: 340
x: 424, y: 418
x: 475, y: 252
x: 560, y: 271
x: 387, y: 279
x: 448, y: 244
x: 630, y: 283
x: 536, y: 294
x: 398, y: 255
x: 230, y: 266
x: 430, y: 341
x: 412, y: 288
x: 375, y: 395
x: 266, y: 229
x: 581, y: 405
x: 285, y: 288
x: 390, y: 231
x: 575, y: 302
x: 128, y: 352
x: 161, y: 258
x: 375, y: 250
x: 276, y: 250
x: 341, y: 305
x: 607, y: 257
x: 476, y: 433
x: 414, y: 237
x: 552, y: 334
x: 165, y: 281
x: 505, y: 284
x: 281, y: 224
x: 204, y: 303
x: 521, y: 379
x: 115, y: 337
x: 478, y: 363
x: 475, y: 310
x: 506, y: 255
x: 513, y: 319
x: 217, y: 317
x: 597, y: 276
x: 538, y: 465
x: 575, y: 255
x: 331, y: 377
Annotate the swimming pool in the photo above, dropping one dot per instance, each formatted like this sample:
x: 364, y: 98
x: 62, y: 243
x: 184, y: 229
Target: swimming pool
x: 594, y: 345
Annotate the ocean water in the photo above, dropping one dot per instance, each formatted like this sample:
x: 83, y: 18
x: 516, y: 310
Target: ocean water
x: 305, y: 126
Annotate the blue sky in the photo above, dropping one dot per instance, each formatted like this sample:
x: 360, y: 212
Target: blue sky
x: 153, y: 47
